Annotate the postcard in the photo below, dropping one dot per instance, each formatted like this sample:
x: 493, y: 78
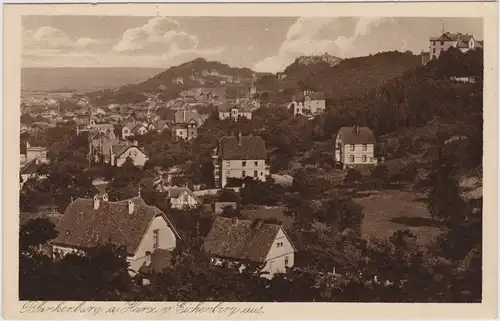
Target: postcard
x: 250, y: 161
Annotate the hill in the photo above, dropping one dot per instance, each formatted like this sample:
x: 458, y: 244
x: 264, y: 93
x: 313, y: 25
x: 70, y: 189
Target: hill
x: 339, y: 79
x: 81, y: 79
x: 198, y: 73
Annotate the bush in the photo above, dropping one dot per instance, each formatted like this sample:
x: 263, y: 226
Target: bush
x: 353, y: 175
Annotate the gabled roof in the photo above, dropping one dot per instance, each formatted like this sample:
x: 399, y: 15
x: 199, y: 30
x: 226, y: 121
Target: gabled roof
x: 176, y: 192
x: 125, y: 148
x: 242, y: 148
x: 83, y: 227
x: 240, y: 239
x: 363, y: 136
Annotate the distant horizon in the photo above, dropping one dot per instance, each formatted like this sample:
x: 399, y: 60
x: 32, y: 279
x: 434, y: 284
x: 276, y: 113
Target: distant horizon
x: 262, y: 44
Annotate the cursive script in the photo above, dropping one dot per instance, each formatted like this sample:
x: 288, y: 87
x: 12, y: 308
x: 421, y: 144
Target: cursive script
x: 148, y: 308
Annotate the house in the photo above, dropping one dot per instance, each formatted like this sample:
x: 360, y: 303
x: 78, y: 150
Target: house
x: 218, y: 206
x: 463, y: 42
x: 182, y: 197
x: 120, y: 153
x: 186, y: 124
x: 254, y: 242
x: 234, y: 112
x: 355, y: 146
x: 131, y: 223
x: 239, y: 157
x: 139, y: 129
x: 178, y: 81
x: 308, y: 103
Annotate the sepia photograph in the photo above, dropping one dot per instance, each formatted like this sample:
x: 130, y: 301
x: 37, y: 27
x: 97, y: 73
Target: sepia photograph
x: 290, y: 159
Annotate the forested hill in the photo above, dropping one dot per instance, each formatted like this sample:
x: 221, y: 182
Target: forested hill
x: 348, y: 78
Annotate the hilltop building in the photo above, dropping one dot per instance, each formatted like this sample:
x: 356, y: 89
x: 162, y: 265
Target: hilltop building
x: 255, y: 242
x: 438, y: 45
x: 355, y: 146
x: 240, y: 157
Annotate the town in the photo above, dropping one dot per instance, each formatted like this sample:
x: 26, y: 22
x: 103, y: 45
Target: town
x: 336, y: 180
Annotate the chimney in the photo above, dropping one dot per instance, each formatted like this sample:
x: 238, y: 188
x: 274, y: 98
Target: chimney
x: 130, y: 207
x: 184, y: 115
x: 96, y: 202
x: 239, y: 138
x: 105, y: 197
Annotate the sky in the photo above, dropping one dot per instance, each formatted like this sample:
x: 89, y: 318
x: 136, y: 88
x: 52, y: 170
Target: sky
x: 264, y: 44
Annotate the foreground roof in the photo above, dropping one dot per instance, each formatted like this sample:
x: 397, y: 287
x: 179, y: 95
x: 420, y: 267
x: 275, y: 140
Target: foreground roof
x: 83, y: 227
x: 240, y: 239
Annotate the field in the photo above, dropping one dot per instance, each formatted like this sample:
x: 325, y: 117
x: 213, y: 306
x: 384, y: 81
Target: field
x: 389, y: 211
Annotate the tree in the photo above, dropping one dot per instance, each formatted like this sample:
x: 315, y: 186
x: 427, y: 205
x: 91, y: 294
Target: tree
x: 36, y: 232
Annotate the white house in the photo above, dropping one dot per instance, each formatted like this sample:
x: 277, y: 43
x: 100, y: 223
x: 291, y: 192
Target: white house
x: 355, y: 146
x: 120, y: 153
x: 240, y: 157
x: 308, y: 103
x: 36, y: 152
x: 255, y: 242
x: 463, y: 42
x: 131, y: 223
x: 182, y: 197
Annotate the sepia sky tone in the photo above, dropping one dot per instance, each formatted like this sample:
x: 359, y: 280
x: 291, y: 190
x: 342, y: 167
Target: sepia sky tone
x: 261, y: 43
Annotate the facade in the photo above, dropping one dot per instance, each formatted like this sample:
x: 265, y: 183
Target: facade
x: 240, y: 157
x: 255, y: 242
x: 131, y: 223
x: 30, y: 170
x: 308, y: 103
x: 182, y: 197
x: 463, y: 42
x: 355, y: 146
x: 234, y: 112
x: 120, y: 154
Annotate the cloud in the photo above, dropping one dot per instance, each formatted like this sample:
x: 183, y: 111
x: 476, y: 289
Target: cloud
x: 158, y: 36
x: 341, y: 37
x: 48, y: 39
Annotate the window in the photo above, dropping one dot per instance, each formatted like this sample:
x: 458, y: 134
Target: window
x: 227, y: 172
x: 255, y: 174
x: 244, y: 174
x: 279, y: 244
x: 339, y: 145
x: 365, y: 147
x: 286, y: 260
x: 434, y: 50
x: 442, y: 42
x: 186, y: 198
x: 351, y: 158
x: 227, y: 163
x: 352, y: 147
x: 256, y: 163
x: 363, y: 159
x: 156, y: 240
x: 243, y: 163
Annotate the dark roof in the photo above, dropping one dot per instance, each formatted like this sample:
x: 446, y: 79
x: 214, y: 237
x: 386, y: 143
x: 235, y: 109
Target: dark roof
x: 244, y: 147
x: 312, y: 95
x: 160, y: 259
x: 84, y: 227
x: 101, y: 187
x: 240, y: 239
x: 175, y: 192
x: 31, y: 167
x: 363, y: 136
